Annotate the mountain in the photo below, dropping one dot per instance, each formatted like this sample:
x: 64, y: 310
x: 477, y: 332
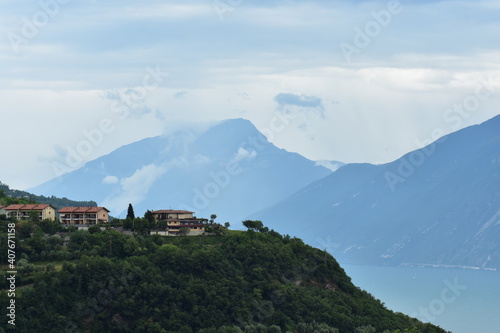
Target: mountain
x: 229, y: 169
x: 239, y: 282
x: 439, y: 205
x: 30, y: 197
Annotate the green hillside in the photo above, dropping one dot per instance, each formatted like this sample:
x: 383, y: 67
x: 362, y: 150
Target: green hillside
x: 9, y: 196
x: 239, y: 282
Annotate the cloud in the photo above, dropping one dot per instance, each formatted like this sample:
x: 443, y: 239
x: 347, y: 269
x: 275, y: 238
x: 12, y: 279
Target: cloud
x: 110, y: 180
x: 332, y: 165
x: 181, y: 94
x: 135, y: 188
x: 291, y: 103
x: 243, y: 154
x: 129, y: 101
x: 244, y: 95
x: 393, y: 92
x: 285, y: 99
x: 201, y: 159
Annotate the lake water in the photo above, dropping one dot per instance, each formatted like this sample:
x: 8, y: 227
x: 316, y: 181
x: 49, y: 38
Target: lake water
x: 458, y: 300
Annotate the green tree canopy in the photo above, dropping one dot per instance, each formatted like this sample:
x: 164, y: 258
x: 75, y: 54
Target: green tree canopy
x: 150, y: 217
x: 34, y: 216
x: 130, y: 212
x: 254, y: 225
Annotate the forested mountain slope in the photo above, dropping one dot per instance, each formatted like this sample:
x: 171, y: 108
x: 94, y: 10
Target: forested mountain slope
x: 244, y: 281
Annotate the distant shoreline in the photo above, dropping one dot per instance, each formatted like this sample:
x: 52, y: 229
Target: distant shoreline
x: 448, y: 266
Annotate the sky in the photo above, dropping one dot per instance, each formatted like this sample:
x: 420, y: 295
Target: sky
x: 352, y: 81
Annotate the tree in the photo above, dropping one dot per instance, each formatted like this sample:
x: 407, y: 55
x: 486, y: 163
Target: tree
x: 212, y: 218
x: 254, y: 225
x: 94, y: 229
x: 141, y: 225
x: 24, y: 266
x: 162, y: 225
x: 131, y: 246
x: 34, y: 216
x: 150, y: 217
x: 227, y: 225
x: 2, y: 193
x: 184, y: 231
x: 366, y: 329
x: 24, y: 229
x: 128, y: 224
x: 49, y: 226
x: 130, y: 212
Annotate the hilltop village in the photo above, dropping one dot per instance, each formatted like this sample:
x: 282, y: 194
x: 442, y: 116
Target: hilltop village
x: 165, y: 222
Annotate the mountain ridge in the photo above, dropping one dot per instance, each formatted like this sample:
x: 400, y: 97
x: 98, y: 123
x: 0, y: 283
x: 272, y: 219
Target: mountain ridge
x: 404, y: 212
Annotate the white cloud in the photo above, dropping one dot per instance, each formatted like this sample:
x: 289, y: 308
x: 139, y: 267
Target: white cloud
x: 284, y: 99
x: 168, y: 11
x: 110, y: 180
x: 243, y: 154
x: 332, y: 165
x: 134, y: 189
x: 201, y: 159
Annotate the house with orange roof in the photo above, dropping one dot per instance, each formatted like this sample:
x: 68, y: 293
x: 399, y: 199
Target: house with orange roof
x: 177, y: 219
x: 83, y: 215
x: 22, y: 212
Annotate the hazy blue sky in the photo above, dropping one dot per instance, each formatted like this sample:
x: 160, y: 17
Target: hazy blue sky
x: 355, y: 81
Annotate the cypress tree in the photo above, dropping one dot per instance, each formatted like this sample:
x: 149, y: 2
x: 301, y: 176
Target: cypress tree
x: 130, y: 212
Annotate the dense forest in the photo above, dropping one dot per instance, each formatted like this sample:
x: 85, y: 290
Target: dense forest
x: 240, y: 281
x: 9, y: 197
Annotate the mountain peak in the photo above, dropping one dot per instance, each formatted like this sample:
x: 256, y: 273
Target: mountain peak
x: 235, y: 127
x: 230, y: 169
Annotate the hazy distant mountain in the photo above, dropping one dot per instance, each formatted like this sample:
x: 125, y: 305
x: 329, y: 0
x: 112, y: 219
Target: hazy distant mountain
x: 230, y: 170
x: 436, y: 205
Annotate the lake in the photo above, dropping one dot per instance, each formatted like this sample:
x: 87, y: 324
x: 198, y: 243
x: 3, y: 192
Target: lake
x: 458, y: 300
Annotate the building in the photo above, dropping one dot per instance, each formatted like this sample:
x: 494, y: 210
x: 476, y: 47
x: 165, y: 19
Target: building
x: 161, y: 215
x: 170, y: 222
x: 83, y: 215
x: 22, y: 212
x: 2, y: 210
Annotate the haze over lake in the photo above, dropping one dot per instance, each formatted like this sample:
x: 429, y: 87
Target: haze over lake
x: 428, y: 294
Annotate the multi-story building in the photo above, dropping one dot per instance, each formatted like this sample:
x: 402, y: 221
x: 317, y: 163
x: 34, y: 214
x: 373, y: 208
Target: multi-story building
x: 2, y: 210
x: 83, y: 215
x: 22, y: 212
x: 176, y: 222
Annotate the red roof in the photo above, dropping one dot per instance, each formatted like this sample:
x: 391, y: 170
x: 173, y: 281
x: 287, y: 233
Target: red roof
x: 96, y: 209
x: 186, y: 219
x: 67, y: 209
x: 171, y: 211
x: 82, y: 209
x: 27, y: 207
x: 14, y: 207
